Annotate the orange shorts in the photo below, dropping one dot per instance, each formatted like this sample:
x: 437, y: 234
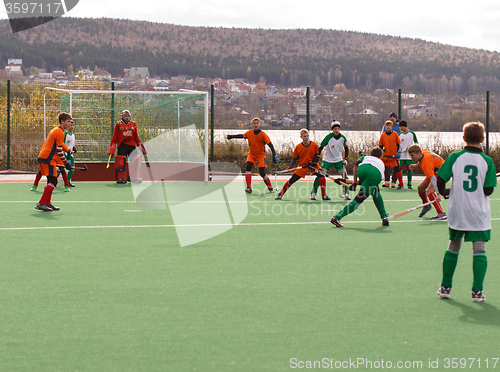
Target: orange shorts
x: 48, y: 169
x: 304, y: 171
x: 389, y: 162
x: 259, y: 159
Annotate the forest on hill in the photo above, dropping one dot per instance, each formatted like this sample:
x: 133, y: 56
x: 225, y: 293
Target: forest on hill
x: 314, y: 57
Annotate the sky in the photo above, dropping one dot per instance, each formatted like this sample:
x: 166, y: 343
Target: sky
x: 459, y: 23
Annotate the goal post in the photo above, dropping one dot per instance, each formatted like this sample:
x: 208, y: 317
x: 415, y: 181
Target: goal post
x: 175, y: 124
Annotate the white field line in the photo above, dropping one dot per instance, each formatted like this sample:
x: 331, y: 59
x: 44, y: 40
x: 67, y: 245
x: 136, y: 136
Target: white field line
x: 204, y: 225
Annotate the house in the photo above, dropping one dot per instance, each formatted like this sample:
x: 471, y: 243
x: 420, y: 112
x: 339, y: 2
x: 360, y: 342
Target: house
x: 14, y: 62
x: 103, y: 75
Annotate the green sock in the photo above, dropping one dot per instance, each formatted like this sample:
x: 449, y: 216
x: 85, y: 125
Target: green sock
x: 449, y: 265
x: 410, y: 176
x: 479, y: 265
x: 379, y: 203
x: 349, y: 208
x: 315, y: 186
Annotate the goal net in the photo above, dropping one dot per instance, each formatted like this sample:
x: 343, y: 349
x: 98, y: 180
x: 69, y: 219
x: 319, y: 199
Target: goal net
x: 172, y: 125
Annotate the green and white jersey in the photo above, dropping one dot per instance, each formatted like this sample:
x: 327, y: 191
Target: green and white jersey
x: 375, y: 162
x: 468, y: 207
x: 333, y: 147
x: 407, y: 139
x: 69, y: 140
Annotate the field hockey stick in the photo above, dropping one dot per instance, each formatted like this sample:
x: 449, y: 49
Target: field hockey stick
x: 148, y: 166
x: 84, y: 169
x: 410, y: 210
x: 109, y: 159
x: 389, y: 156
x: 319, y: 172
x: 289, y: 170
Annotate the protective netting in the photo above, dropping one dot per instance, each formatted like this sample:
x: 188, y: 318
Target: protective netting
x: 160, y: 116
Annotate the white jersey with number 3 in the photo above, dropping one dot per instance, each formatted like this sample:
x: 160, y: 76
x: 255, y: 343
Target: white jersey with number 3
x: 469, y: 207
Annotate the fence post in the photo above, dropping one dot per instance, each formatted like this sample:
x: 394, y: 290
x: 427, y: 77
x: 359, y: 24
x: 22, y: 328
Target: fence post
x: 112, y: 108
x: 487, y: 122
x: 8, y: 124
x: 212, y: 114
x: 308, y: 101
x: 399, y: 103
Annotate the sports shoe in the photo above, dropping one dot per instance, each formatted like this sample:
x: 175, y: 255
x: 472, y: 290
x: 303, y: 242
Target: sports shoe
x: 478, y: 296
x: 386, y: 184
x: 312, y: 197
x: 33, y: 188
x: 248, y: 190
x: 325, y: 197
x: 393, y: 185
x: 271, y: 189
x: 121, y: 181
x: 347, y: 197
x: 444, y: 292
x: 410, y: 186
x: 71, y: 185
x: 43, y: 207
x: 137, y: 180
x: 385, y: 221
x: 400, y: 187
x: 54, y: 208
x: 439, y: 217
x: 278, y: 197
x: 336, y: 222
x: 425, y: 210
x: 66, y: 189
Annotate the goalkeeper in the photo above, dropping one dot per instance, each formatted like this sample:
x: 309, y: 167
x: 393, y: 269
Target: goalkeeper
x: 333, y: 144
x: 125, y: 138
x: 257, y: 140
x: 370, y: 171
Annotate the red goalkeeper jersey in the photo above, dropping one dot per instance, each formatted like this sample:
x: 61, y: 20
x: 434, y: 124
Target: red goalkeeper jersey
x: 125, y: 133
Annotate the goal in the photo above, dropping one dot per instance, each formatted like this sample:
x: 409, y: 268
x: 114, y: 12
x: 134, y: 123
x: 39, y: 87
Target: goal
x: 172, y: 125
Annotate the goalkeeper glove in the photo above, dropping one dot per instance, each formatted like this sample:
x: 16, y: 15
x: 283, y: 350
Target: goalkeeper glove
x: 112, y: 149
x: 143, y: 149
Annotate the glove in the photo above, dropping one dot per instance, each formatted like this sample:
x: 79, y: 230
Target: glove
x: 398, y: 155
x: 229, y: 137
x: 276, y: 159
x: 319, y: 172
x: 316, y: 159
x: 74, y: 150
x: 446, y: 194
x: 68, y: 166
x: 311, y: 165
x: 112, y: 149
x: 339, y: 180
x: 143, y: 149
x: 353, y: 187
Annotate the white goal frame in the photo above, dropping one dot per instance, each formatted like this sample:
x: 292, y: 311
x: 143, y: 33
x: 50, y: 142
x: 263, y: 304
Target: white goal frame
x: 70, y: 93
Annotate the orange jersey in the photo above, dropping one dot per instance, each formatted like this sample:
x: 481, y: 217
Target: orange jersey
x: 305, y: 153
x: 257, y: 142
x: 390, y: 143
x: 52, y: 148
x: 430, y: 163
x: 125, y: 133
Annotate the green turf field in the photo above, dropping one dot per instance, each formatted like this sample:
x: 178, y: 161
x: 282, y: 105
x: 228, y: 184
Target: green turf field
x: 103, y: 285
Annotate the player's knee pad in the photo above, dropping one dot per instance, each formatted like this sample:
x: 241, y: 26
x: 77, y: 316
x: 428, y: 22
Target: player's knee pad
x: 478, y: 246
x: 248, y: 167
x: 135, y: 167
x: 262, y: 171
x: 52, y: 180
x: 455, y: 245
x: 120, y: 167
x: 361, y: 197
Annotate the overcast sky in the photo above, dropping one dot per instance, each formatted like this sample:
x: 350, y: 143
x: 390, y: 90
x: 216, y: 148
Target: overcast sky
x: 460, y: 23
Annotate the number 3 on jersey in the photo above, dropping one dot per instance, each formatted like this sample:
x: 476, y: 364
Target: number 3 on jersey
x: 470, y: 185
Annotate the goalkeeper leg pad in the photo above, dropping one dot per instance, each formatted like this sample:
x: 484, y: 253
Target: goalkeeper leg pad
x: 135, y: 168
x: 121, y: 168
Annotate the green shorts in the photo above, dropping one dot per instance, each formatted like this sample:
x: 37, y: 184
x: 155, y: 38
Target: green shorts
x: 405, y: 162
x: 470, y: 236
x: 327, y: 165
